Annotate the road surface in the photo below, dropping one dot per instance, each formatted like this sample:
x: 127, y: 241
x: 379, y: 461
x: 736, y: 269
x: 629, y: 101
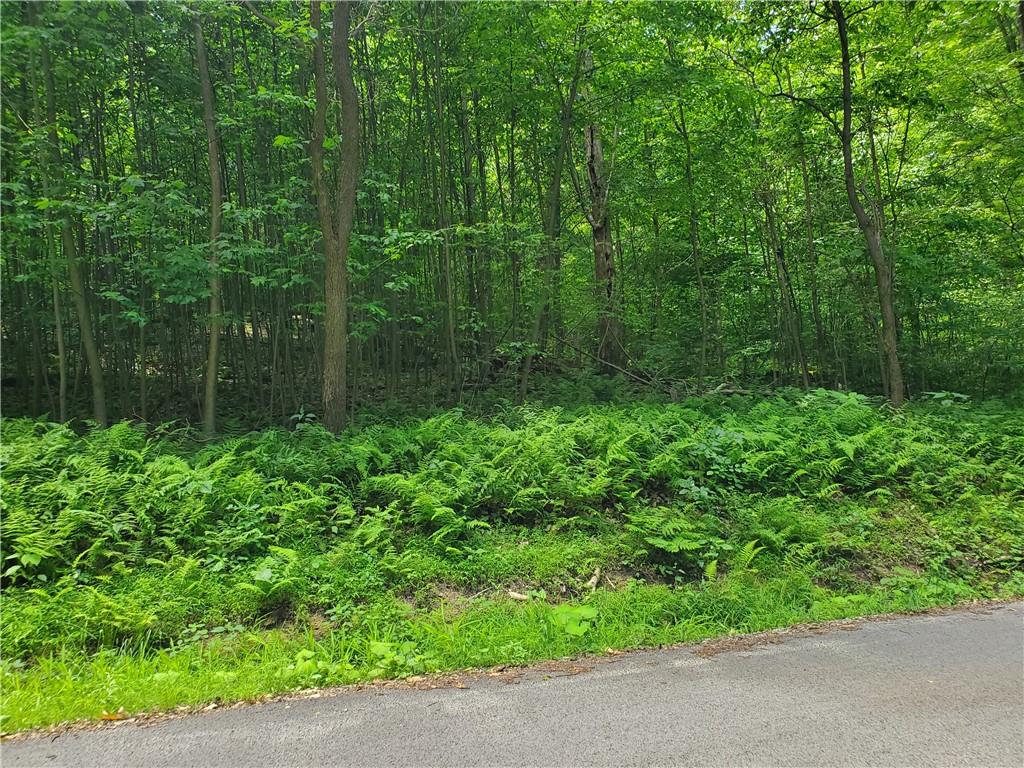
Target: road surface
x: 934, y: 690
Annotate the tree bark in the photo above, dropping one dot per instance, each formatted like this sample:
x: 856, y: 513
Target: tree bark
x: 70, y: 250
x: 336, y: 257
x: 551, y: 215
x: 454, y: 361
x: 787, y: 299
x: 695, y: 250
x: 812, y: 258
x: 213, y: 162
x: 610, y: 332
x: 50, y: 151
x: 872, y: 236
x: 469, y: 201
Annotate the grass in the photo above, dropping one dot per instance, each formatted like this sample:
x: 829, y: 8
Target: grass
x: 249, y: 665
x: 147, y: 571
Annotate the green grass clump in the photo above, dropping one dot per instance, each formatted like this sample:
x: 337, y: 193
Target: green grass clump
x: 144, y: 570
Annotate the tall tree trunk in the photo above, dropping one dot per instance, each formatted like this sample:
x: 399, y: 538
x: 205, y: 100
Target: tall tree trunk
x: 455, y: 363
x: 213, y: 162
x: 70, y: 250
x: 812, y: 253
x: 483, y: 282
x: 58, y: 329
x: 812, y: 258
x: 551, y: 215
x: 786, y: 298
x: 50, y: 153
x: 872, y: 236
x: 324, y: 207
x: 610, y: 333
x: 469, y: 181
x: 695, y: 250
x: 336, y: 252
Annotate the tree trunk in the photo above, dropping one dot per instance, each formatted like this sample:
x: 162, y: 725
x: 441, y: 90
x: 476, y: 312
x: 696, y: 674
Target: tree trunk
x: 213, y: 162
x: 62, y: 355
x: 872, y: 236
x: 787, y: 301
x: 325, y: 213
x: 551, y: 215
x: 695, y: 250
x: 610, y: 346
x: 455, y: 363
x: 336, y: 257
x: 469, y: 201
x: 69, y: 247
x: 812, y: 258
x: 50, y: 152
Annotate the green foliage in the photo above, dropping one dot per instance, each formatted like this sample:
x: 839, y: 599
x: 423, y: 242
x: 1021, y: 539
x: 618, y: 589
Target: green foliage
x: 276, y: 578
x: 375, y: 550
x: 144, y: 563
x: 673, y: 538
x: 396, y: 659
x: 574, y: 620
x: 715, y: 155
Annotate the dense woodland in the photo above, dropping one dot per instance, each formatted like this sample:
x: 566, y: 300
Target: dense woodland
x: 522, y: 331
x: 240, y: 211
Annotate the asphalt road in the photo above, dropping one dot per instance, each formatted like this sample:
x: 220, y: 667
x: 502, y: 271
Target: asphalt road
x: 938, y: 690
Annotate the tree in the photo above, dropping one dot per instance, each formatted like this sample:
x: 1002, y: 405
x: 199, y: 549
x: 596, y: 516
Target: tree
x: 337, y: 245
x: 883, y: 268
x: 375, y: 210
x: 611, y: 352
x: 213, y: 162
x: 551, y: 213
x: 70, y: 248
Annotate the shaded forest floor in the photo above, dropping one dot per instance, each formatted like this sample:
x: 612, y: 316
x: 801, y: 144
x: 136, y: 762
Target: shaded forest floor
x: 147, y: 570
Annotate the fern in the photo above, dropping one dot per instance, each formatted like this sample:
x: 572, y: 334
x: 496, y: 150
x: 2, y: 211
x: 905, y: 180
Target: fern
x: 821, y: 483
x: 711, y: 570
x: 669, y: 535
x: 745, y: 556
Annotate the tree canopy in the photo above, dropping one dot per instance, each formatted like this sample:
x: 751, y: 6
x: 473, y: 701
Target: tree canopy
x: 287, y: 207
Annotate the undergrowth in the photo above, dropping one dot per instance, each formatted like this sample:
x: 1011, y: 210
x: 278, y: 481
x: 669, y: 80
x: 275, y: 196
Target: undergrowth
x: 146, y: 570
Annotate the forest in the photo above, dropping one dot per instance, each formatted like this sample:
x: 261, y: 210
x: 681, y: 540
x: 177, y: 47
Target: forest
x: 364, y: 340
x: 234, y: 212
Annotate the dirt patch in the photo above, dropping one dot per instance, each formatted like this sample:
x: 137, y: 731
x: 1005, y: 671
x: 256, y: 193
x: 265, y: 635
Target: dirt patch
x: 320, y: 625
x: 434, y: 596
x: 617, y: 578
x: 454, y: 600
x: 544, y: 670
x: 506, y: 673
x: 733, y: 643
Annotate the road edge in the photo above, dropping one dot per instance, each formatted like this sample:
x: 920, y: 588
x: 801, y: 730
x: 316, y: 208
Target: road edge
x: 570, y: 665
